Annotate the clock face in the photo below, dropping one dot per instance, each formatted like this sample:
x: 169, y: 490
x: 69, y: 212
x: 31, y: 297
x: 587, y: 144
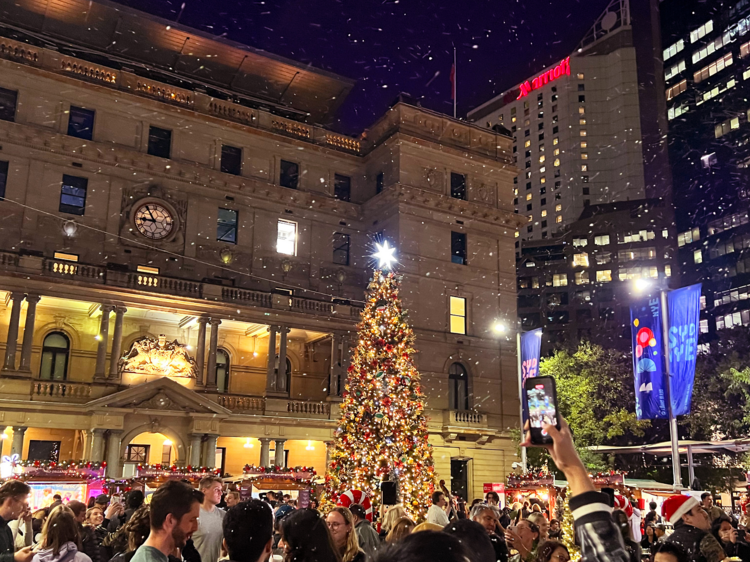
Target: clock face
x: 154, y: 221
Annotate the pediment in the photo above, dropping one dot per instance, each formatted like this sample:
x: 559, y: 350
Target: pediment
x: 163, y: 395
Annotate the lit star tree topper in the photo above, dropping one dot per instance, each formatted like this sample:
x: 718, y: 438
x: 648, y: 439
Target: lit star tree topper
x: 385, y: 256
x: 382, y: 431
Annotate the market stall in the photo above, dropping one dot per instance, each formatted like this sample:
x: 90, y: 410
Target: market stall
x: 149, y: 477
x: 298, y: 482
x: 72, y: 480
x: 539, y: 488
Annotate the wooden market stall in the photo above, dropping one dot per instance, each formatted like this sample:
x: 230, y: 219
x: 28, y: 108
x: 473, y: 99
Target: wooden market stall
x: 298, y: 482
x: 72, y: 480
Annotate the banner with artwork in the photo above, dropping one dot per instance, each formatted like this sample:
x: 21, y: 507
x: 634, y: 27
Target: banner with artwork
x: 531, y: 348
x: 648, y: 361
x: 684, y: 327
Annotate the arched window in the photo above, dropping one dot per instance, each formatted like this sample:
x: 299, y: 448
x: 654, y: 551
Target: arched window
x: 222, y: 370
x: 458, y: 387
x: 283, y: 384
x: 55, y: 353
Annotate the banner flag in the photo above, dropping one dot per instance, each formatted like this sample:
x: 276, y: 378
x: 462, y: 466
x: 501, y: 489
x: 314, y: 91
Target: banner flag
x: 648, y: 362
x: 531, y: 348
x: 684, y: 318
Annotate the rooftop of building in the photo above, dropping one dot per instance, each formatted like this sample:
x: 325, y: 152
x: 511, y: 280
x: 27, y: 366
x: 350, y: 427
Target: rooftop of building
x: 114, y: 35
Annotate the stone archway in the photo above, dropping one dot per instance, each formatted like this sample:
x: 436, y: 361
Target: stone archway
x: 179, y: 448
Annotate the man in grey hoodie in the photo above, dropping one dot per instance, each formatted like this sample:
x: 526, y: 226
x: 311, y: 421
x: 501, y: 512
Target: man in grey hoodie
x: 369, y: 541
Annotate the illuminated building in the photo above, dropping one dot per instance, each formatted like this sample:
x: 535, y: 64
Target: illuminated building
x: 590, y: 129
x: 172, y: 198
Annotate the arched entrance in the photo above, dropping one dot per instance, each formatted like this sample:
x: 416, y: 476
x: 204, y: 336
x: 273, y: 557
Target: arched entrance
x: 140, y: 445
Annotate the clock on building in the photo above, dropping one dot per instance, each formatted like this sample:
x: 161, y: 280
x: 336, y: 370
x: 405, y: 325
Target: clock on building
x: 154, y: 221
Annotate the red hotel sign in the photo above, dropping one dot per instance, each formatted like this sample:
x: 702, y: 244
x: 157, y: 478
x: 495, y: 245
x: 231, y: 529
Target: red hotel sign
x: 562, y: 69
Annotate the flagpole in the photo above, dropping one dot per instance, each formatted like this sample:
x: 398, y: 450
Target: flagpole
x: 455, y: 71
x: 673, y: 435
x: 524, y: 460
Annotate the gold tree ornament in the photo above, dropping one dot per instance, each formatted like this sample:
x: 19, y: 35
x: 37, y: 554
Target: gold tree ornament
x: 568, y: 531
x: 382, y: 431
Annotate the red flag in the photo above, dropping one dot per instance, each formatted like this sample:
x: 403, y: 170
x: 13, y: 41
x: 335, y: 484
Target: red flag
x: 453, y: 81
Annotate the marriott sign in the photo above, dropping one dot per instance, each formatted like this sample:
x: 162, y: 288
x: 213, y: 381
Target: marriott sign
x: 562, y: 69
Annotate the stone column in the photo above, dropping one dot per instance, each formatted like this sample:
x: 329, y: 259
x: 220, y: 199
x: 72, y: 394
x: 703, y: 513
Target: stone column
x: 114, y: 360
x: 328, y: 445
x: 281, y: 378
x: 209, y: 451
x: 101, y: 351
x: 279, y: 457
x: 333, y: 375
x: 12, y: 342
x: 346, y: 358
x: 271, y: 367
x: 114, y: 469
x: 28, y: 334
x: 212, y: 345
x: 200, y: 351
x: 195, y: 450
x: 265, y: 452
x: 97, y: 445
x: 17, y: 445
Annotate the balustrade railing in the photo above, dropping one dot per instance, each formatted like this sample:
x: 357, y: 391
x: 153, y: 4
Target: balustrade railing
x: 242, y: 403
x: 61, y: 390
x: 308, y: 408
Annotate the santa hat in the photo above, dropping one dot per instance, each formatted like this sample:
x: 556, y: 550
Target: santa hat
x: 674, y: 507
x: 621, y: 502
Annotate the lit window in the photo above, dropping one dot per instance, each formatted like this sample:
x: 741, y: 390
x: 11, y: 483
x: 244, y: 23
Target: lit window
x: 581, y: 110
x: 286, y: 238
x: 584, y: 167
x: 528, y: 197
x: 558, y: 208
x: 584, y: 144
x: 667, y: 270
x: 65, y: 256
x: 580, y: 242
x: 556, y: 152
x: 716, y: 66
x: 580, y: 75
x: 581, y: 277
x: 555, y: 140
x: 543, y: 180
x: 560, y: 280
x: 584, y: 156
x: 458, y: 315
x: 580, y: 260
x: 602, y: 240
x: 674, y: 70
x: 558, y: 218
x: 544, y: 213
x: 604, y: 276
x: 517, y: 234
x: 513, y: 119
x: 581, y: 121
x: 702, y: 31
x: 583, y: 132
x: 542, y: 158
x: 527, y: 144
x: 676, y: 89
x: 147, y: 269
x: 556, y: 162
x: 697, y: 256
x: 674, y: 49
x: 723, y: 128
x: 542, y: 169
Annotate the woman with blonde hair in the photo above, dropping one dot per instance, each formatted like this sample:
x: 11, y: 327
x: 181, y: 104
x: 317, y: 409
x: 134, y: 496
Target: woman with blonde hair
x: 401, y: 529
x: 341, y: 525
x: 394, y: 513
x: 60, y: 539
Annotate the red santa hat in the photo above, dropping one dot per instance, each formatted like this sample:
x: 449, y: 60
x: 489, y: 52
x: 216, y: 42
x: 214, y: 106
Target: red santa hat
x: 621, y: 502
x: 674, y: 507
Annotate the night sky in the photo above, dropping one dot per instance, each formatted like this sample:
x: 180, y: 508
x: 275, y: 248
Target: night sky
x: 393, y: 46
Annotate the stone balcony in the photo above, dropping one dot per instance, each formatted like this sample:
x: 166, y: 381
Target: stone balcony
x: 469, y: 423
x: 99, y: 275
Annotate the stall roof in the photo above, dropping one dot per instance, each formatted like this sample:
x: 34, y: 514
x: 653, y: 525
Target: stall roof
x: 665, y: 447
x: 631, y: 482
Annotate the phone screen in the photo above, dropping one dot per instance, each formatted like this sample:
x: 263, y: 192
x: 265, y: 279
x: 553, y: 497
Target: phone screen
x: 541, y: 397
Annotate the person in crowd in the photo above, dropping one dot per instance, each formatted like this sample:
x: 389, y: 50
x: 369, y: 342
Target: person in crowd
x: 56, y: 500
x: 536, y: 508
x: 175, y: 508
x: 438, y: 512
x: 60, y: 539
x: 23, y: 529
x: 389, y: 518
x: 305, y: 538
x: 341, y: 525
x: 727, y: 536
x: 524, y: 538
x: 595, y: 530
x: 623, y: 523
x: 284, y: 509
x: 552, y: 551
x: 649, y: 540
x: 540, y: 521
x: 13, y: 502
x: 313, y: 503
x: 525, y: 510
x: 660, y: 531
x: 135, y: 532
x: 707, y: 503
x: 207, y: 539
x: 492, y: 498
x: 487, y: 517
x: 271, y: 499
x: 504, y: 519
x: 401, y: 529
x: 133, y: 501
x: 233, y: 498
x: 429, y: 546
x: 88, y: 543
x: 635, y: 522
x: 670, y: 552
x: 692, y: 529
x: 368, y: 538
x: 248, y: 531
x: 555, y: 531
x: 474, y: 539
x: 426, y: 526
x: 652, y: 516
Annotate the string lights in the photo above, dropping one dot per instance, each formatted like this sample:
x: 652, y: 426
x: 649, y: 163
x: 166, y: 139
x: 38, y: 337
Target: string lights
x: 382, y: 432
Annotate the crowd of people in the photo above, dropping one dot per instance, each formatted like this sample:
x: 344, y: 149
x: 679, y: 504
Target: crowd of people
x: 185, y: 524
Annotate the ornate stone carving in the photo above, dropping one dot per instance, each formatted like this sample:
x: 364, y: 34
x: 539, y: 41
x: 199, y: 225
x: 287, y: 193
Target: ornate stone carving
x: 433, y: 178
x: 149, y: 356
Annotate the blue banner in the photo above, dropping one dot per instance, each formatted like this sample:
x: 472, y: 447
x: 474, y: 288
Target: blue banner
x: 531, y: 348
x: 648, y: 362
x: 684, y: 318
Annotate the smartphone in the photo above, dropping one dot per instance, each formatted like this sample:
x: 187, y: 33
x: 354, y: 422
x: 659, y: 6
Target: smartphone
x: 116, y: 498
x: 541, y: 404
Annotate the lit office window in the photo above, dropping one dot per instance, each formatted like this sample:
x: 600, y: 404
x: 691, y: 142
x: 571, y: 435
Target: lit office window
x: 558, y: 208
x: 581, y: 260
x: 458, y: 315
x: 604, y: 276
x: 286, y: 238
x: 697, y: 256
x: 558, y: 218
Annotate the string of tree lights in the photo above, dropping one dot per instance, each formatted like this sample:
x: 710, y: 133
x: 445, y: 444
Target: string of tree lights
x: 382, y: 432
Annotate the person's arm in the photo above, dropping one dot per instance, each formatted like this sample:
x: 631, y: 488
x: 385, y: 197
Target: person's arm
x: 599, y: 538
x: 711, y: 549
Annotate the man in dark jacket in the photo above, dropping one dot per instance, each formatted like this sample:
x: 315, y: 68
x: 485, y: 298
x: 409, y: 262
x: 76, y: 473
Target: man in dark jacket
x: 692, y: 529
x: 369, y: 541
x: 13, y: 496
x: 248, y: 531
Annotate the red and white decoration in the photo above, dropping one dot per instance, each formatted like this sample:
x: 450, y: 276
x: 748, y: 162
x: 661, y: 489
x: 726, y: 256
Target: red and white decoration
x: 352, y: 497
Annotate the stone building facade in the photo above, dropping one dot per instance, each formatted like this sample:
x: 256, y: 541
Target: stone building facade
x: 140, y: 199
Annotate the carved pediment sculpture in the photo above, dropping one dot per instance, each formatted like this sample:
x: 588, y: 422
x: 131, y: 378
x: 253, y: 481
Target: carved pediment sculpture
x: 151, y: 356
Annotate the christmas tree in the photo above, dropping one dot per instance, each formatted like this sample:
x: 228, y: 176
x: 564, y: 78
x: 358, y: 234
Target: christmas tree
x: 569, y: 533
x: 382, y: 432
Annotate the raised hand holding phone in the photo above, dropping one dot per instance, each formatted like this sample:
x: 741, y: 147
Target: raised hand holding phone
x: 540, y: 394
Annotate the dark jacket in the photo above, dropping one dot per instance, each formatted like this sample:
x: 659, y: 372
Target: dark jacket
x: 7, y: 549
x: 501, y: 549
x: 367, y: 536
x: 739, y: 549
x: 91, y: 546
x: 699, y: 545
x: 190, y: 553
x: 597, y: 534
x: 360, y: 557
